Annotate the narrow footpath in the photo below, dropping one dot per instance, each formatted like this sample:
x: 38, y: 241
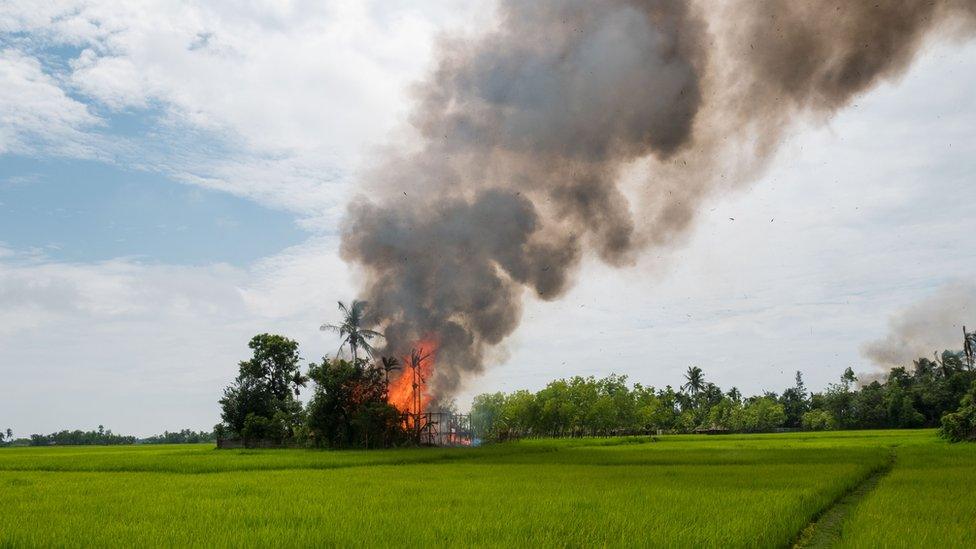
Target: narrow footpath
x: 826, y: 529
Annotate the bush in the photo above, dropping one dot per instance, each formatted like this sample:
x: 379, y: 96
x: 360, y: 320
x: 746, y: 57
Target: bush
x: 819, y: 420
x: 759, y: 415
x: 960, y: 425
x: 256, y: 427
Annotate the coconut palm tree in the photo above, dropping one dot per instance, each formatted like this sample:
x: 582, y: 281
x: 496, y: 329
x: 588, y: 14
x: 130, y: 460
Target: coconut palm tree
x: 969, y: 347
x: 352, y: 331
x: 389, y: 364
x: 694, y: 380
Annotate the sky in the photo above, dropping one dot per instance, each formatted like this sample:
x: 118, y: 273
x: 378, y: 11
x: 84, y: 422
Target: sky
x: 173, y: 177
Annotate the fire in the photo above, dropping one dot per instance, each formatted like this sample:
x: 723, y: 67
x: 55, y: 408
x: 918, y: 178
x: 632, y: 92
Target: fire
x: 409, y: 393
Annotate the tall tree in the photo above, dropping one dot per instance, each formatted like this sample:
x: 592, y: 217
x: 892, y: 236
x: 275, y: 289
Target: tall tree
x: 352, y: 330
x: 848, y: 377
x: 263, y: 394
x: 795, y: 403
x: 389, y: 364
x: 694, y: 380
x: 276, y: 363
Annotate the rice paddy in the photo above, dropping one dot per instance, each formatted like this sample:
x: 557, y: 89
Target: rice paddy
x: 722, y: 491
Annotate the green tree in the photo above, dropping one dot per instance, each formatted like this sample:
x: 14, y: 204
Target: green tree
x: 487, y: 415
x: 795, y: 402
x: 654, y: 410
x: 556, y: 411
x: 901, y: 411
x: 694, y: 380
x: 352, y: 330
x: 819, y: 420
x: 848, y: 378
x: 349, y: 408
x: 869, y: 408
x: 759, y: 415
x: 949, y: 362
x: 265, y: 387
x: 960, y: 425
x: 722, y: 415
x: 519, y: 413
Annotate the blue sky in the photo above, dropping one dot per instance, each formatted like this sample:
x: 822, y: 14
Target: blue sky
x: 84, y: 210
x: 173, y: 175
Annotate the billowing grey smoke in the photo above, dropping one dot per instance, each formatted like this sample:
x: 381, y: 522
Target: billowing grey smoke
x: 521, y: 136
x: 929, y: 326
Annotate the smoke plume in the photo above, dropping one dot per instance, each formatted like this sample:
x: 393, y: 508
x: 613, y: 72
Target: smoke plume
x: 931, y: 325
x: 520, y: 137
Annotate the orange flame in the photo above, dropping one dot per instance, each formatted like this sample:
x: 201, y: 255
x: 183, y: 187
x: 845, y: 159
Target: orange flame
x: 409, y: 393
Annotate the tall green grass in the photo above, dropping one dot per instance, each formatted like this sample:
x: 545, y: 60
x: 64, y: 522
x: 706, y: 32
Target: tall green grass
x: 730, y: 491
x: 928, y: 500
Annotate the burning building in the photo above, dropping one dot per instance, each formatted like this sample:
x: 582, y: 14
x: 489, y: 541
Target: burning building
x: 412, y: 396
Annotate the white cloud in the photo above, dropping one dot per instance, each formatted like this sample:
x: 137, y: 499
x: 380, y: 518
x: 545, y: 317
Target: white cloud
x: 35, y: 113
x: 141, y: 347
x: 294, y: 91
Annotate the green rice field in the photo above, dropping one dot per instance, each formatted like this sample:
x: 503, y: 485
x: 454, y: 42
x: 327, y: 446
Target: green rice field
x: 697, y: 491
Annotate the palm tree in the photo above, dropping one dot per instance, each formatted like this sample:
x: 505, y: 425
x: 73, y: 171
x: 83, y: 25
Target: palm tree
x: 969, y: 347
x: 389, y: 364
x: 694, y: 380
x: 949, y: 363
x: 351, y: 330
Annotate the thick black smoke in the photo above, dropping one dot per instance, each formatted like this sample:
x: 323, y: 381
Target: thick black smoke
x: 521, y: 136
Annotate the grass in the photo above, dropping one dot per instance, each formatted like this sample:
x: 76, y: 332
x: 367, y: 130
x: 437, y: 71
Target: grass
x: 728, y: 491
x: 928, y: 500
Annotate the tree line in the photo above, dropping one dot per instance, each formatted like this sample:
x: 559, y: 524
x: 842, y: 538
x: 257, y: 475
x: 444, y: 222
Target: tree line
x: 919, y: 396
x: 103, y: 437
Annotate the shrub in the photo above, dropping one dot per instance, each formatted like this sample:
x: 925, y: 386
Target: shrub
x: 759, y: 415
x: 256, y: 427
x: 960, y: 425
x: 819, y: 420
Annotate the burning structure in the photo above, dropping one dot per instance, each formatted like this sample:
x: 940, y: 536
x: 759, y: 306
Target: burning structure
x: 575, y: 128
x: 411, y: 395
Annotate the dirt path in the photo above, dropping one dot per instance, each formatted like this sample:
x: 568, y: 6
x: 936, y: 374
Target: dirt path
x: 826, y: 529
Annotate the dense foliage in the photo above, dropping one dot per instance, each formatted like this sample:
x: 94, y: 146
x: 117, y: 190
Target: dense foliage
x: 348, y: 405
x: 262, y: 403
x: 581, y: 406
x: 961, y: 424
x: 349, y: 408
x: 186, y: 436
x: 101, y: 437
